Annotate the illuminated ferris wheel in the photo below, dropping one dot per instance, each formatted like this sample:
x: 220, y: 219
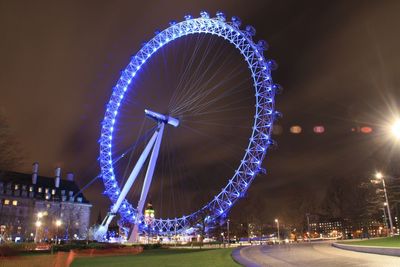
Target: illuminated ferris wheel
x: 199, y: 89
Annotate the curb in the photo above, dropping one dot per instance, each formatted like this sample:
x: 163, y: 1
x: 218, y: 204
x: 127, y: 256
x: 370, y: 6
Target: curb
x: 238, y: 258
x: 370, y: 249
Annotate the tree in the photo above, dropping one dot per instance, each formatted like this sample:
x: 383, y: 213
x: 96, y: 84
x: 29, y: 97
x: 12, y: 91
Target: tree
x: 10, y: 153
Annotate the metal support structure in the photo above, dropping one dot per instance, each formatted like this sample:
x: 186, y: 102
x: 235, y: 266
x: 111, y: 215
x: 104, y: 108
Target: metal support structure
x: 147, y: 181
x: 154, y: 146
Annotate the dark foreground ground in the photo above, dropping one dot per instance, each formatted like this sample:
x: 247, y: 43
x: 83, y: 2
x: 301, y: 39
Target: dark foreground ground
x: 320, y: 254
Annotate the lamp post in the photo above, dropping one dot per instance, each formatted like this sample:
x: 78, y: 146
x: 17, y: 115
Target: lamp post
x: 308, y: 226
x: 58, y: 224
x: 379, y: 176
x: 227, y: 226
x: 277, y: 226
x: 37, y: 224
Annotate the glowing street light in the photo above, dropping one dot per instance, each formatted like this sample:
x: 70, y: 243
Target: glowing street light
x: 395, y: 129
x: 58, y: 224
x: 380, y: 176
x: 277, y: 225
x: 37, y: 224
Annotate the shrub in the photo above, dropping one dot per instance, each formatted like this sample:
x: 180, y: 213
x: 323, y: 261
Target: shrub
x: 151, y: 246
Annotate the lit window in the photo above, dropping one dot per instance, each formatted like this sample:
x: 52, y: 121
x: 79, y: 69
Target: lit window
x: 46, y: 190
x: 16, y: 187
x: 15, y: 202
x: 53, y: 191
x: 6, y: 202
x: 30, y: 188
x: 39, y: 190
x: 47, y: 197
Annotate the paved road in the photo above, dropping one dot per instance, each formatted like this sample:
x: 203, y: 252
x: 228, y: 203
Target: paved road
x: 313, y: 254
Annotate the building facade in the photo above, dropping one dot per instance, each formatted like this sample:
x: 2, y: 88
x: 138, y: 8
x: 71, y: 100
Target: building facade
x: 39, y: 208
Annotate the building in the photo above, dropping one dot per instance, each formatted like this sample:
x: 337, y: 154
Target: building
x: 329, y: 227
x: 34, y: 207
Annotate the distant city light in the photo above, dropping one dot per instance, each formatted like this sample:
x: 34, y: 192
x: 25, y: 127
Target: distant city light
x: 319, y: 129
x: 366, y: 129
x: 296, y: 129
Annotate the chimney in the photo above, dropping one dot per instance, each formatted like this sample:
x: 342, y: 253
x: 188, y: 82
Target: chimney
x: 57, y: 178
x: 70, y: 176
x: 35, y: 170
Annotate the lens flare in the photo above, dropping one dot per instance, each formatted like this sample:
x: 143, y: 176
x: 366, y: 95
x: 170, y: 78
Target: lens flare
x: 396, y: 129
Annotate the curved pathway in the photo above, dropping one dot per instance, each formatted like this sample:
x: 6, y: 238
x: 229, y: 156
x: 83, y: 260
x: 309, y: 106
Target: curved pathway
x: 310, y: 255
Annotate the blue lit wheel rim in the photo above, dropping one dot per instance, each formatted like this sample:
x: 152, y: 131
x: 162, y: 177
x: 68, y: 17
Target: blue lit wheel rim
x: 259, y: 140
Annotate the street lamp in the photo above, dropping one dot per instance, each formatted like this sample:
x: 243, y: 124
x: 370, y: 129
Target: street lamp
x: 227, y: 224
x: 58, y: 224
x: 277, y: 225
x: 395, y: 129
x: 37, y: 224
x: 379, y: 176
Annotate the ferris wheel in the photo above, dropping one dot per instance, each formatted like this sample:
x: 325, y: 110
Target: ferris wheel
x: 188, y: 103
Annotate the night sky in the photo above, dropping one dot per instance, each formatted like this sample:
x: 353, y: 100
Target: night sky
x: 338, y: 61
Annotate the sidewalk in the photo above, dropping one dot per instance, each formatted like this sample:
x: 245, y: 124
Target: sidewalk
x: 389, y: 251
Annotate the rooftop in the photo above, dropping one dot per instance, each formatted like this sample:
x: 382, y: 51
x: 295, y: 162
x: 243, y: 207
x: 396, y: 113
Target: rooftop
x: 20, y: 185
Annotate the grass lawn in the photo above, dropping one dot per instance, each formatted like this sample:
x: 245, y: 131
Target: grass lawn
x: 164, y: 257
x: 380, y: 242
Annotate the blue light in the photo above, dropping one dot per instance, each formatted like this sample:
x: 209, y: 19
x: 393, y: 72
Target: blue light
x: 204, y: 15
